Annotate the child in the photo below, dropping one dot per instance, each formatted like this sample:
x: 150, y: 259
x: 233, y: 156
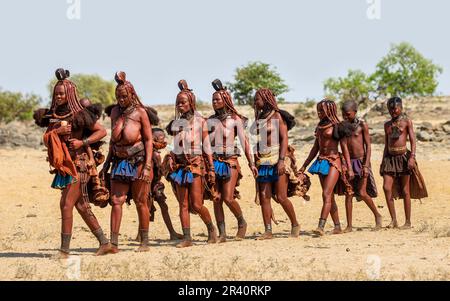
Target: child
x: 359, y: 147
x: 401, y: 176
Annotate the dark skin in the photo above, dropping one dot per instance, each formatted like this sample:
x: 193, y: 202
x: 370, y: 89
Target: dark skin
x: 193, y: 192
x: 137, y: 129
x: 407, y: 132
x: 226, y: 187
x: 280, y: 186
x: 71, y: 195
x: 160, y: 137
x: 326, y: 145
x: 359, y: 147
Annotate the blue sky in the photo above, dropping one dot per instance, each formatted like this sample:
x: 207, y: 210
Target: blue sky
x: 159, y: 42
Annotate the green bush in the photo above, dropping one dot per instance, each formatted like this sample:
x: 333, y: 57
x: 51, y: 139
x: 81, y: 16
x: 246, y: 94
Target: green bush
x: 17, y: 106
x: 404, y: 71
x: 254, y: 76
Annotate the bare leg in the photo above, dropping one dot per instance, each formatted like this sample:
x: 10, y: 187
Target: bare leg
x: 166, y: 217
x: 281, y: 192
x: 183, y: 201
x: 219, y: 213
x: 228, y: 197
x: 406, y: 201
x: 119, y: 192
x: 388, y: 182
x: 140, y: 191
x: 84, y: 209
x: 335, y: 215
x: 196, y: 196
x: 369, y: 202
x: 265, y: 194
x: 328, y: 183
x: 69, y: 197
x: 348, y: 212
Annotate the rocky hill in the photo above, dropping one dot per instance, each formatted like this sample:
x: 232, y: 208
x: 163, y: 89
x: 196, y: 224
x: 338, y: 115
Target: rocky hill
x: 431, y: 118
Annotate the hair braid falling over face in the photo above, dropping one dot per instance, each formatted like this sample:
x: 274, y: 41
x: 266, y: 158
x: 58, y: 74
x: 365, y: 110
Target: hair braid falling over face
x: 122, y: 83
x: 330, y: 109
x: 269, y: 99
x: 184, y: 90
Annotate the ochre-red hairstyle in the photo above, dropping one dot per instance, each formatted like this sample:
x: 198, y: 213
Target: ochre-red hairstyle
x: 184, y: 90
x: 121, y: 80
x: 268, y: 97
x: 330, y: 109
x: 70, y: 89
x: 225, y: 96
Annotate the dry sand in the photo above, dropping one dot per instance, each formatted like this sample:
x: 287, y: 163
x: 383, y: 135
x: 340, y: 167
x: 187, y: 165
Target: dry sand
x: 30, y: 227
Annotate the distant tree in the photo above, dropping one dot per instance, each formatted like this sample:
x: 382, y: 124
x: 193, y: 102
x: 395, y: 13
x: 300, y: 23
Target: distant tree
x: 91, y: 86
x: 310, y: 103
x: 356, y: 86
x: 404, y: 71
x: 17, y: 106
x: 253, y: 76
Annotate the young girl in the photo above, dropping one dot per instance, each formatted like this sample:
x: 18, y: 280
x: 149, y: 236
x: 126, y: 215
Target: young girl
x: 186, y: 163
x: 329, y: 165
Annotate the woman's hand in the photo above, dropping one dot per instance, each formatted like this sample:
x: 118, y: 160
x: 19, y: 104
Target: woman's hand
x: 281, y: 169
x: 64, y: 130
x: 254, y: 170
x: 351, y: 174
x: 411, y: 163
x: 211, y: 177
x: 365, y: 172
x: 146, y: 175
x: 75, y: 144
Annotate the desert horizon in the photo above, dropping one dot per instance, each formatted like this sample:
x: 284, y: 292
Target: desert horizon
x: 30, y: 231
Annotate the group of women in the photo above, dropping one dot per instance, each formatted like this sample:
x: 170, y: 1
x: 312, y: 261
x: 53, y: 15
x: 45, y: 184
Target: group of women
x: 203, y: 163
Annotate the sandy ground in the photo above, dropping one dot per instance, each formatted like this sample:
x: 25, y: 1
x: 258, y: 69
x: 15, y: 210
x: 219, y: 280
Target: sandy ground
x: 30, y: 227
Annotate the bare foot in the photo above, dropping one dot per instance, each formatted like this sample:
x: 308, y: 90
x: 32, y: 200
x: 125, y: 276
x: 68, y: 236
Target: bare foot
x: 61, y: 255
x: 392, y: 225
x: 184, y: 244
x: 114, y: 249
x: 212, y: 237
x: 348, y: 229
x: 176, y: 236
x: 222, y: 238
x: 266, y: 235
x: 406, y: 226
x: 337, y: 230
x: 143, y: 248
x: 319, y: 231
x: 240, y: 235
x: 104, y: 249
x: 378, y: 224
x: 295, y: 231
